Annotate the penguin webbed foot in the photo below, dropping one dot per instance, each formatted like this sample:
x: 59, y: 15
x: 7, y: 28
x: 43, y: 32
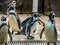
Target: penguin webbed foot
x: 30, y: 37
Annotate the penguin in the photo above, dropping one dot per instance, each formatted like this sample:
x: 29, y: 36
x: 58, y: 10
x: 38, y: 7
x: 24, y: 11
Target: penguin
x: 12, y: 4
x: 30, y: 25
x: 13, y: 18
x: 13, y: 21
x: 23, y: 24
x: 4, y: 31
x: 50, y: 29
x: 26, y: 20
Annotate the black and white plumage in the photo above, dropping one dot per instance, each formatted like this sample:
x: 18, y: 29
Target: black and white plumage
x: 4, y: 31
x: 13, y: 18
x: 13, y: 21
x: 24, y: 21
x: 28, y: 18
x: 29, y: 25
x: 50, y: 29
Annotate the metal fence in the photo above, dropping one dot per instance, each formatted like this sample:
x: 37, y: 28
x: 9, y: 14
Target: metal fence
x: 31, y: 42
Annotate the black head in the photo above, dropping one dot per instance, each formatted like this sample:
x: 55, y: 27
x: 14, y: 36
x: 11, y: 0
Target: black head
x: 36, y: 15
x: 51, y: 16
x: 3, y: 18
x: 12, y: 11
x: 11, y: 8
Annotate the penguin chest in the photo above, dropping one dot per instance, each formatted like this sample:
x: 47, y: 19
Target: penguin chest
x: 13, y: 23
x: 3, y: 34
x: 49, y: 32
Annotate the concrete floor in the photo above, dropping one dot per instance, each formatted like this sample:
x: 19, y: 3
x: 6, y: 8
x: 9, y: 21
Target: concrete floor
x: 37, y: 36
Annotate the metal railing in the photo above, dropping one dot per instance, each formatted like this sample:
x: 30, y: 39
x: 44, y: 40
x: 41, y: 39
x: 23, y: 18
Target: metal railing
x: 30, y: 42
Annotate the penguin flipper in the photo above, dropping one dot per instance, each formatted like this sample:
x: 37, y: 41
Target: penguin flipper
x: 24, y: 21
x: 18, y: 21
x: 40, y: 21
x: 55, y: 32
x: 10, y: 35
x: 42, y: 32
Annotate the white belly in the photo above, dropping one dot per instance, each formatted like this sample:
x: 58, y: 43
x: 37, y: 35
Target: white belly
x: 49, y: 32
x: 3, y: 34
x: 13, y: 23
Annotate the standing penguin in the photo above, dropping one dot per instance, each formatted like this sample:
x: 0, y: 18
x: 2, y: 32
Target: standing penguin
x: 13, y: 18
x: 4, y: 31
x: 50, y: 29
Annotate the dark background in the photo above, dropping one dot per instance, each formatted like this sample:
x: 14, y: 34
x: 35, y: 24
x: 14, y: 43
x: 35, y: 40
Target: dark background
x: 25, y: 6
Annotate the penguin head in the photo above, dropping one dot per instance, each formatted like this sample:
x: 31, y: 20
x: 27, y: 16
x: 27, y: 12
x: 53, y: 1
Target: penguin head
x: 12, y: 11
x: 36, y: 15
x: 11, y: 8
x: 51, y: 16
x: 3, y: 18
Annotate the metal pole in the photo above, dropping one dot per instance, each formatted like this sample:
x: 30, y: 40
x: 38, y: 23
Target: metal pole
x: 35, y: 6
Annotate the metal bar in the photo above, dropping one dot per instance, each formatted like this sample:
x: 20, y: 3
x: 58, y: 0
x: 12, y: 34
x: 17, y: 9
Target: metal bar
x: 35, y: 6
x: 30, y: 42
